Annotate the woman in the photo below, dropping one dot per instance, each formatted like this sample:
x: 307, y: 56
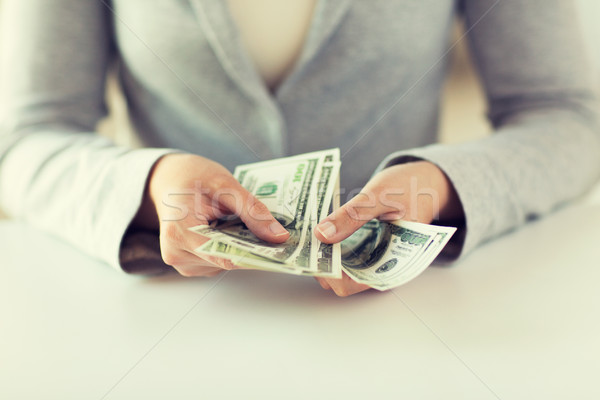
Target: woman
x: 206, y: 92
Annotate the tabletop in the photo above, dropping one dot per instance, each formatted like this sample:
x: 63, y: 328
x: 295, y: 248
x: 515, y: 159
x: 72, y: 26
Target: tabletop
x: 516, y: 319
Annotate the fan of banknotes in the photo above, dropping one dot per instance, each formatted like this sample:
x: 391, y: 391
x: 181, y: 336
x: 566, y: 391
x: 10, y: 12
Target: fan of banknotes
x: 300, y: 191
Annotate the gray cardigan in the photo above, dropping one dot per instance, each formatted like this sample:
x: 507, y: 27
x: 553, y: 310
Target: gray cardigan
x: 368, y: 81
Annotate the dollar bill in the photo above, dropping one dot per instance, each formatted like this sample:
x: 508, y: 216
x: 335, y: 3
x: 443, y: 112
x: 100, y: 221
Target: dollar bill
x: 291, y: 188
x: 244, y: 259
x: 385, y: 255
x: 315, y: 258
x: 324, y: 258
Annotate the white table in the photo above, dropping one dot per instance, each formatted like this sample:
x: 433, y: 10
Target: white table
x: 518, y: 319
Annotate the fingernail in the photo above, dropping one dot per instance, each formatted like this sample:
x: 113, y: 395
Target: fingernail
x: 277, y: 229
x: 327, y: 229
x: 391, y: 216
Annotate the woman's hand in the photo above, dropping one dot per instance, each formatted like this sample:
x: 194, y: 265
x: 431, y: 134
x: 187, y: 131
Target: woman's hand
x: 186, y: 190
x: 417, y: 191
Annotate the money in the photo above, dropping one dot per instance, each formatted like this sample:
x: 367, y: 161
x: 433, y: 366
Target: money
x: 300, y: 191
x: 385, y: 255
x: 295, y: 189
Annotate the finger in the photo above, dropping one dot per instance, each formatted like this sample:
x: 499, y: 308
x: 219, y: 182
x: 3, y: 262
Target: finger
x: 183, y: 258
x: 253, y: 212
x: 220, y: 262
x: 202, y: 260
x: 177, y: 249
x: 174, y: 251
x: 346, y: 286
x: 391, y: 216
x: 207, y: 210
x: 198, y: 271
x: 188, y: 265
x: 351, y: 216
x: 191, y: 265
x: 323, y: 283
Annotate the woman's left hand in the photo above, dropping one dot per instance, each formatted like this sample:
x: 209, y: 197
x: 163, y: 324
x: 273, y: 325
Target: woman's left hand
x: 417, y: 191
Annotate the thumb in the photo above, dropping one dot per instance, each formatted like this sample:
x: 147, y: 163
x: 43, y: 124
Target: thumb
x: 347, y: 219
x: 256, y: 216
x: 261, y: 222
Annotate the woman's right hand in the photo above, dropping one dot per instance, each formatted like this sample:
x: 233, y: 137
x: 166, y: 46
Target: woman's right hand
x: 186, y: 190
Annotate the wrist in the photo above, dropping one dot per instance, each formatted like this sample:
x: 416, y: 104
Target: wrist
x: 431, y: 194
x: 146, y: 216
x: 450, y: 207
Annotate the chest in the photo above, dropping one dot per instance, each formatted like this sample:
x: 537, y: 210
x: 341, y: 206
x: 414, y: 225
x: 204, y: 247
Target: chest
x: 273, y: 33
x: 198, y: 38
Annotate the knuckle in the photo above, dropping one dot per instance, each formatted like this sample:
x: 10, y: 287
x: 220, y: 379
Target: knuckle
x: 378, y: 188
x: 171, y: 233
x: 354, y: 216
x: 170, y: 258
x: 258, y: 210
x: 215, y: 272
x: 198, y: 271
x: 187, y: 272
x: 219, y: 181
x: 209, y: 262
x: 259, y: 206
x: 391, y: 202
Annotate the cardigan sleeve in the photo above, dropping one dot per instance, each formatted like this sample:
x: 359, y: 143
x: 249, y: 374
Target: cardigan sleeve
x: 55, y: 171
x: 545, y: 149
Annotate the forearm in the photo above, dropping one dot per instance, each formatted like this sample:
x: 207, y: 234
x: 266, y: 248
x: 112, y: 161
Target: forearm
x: 78, y: 186
x: 535, y: 161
